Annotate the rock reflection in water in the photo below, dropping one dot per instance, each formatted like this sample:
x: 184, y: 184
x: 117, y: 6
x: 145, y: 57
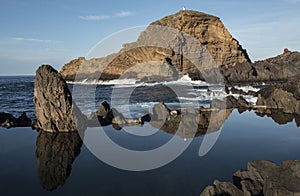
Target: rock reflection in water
x: 55, y: 154
x: 193, y: 122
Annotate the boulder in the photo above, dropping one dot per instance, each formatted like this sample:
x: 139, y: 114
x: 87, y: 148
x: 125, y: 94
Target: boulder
x: 103, y: 110
x: 24, y: 121
x: 228, y: 102
x: 285, y: 97
x: 222, y: 188
x: 54, y: 108
x: 261, y: 178
x: 7, y: 120
x: 160, y: 111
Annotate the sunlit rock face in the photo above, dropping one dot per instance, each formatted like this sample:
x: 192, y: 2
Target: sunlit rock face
x: 54, y: 108
x: 164, y: 50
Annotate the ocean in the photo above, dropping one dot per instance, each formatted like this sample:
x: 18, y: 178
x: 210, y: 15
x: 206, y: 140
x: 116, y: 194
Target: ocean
x: 29, y: 165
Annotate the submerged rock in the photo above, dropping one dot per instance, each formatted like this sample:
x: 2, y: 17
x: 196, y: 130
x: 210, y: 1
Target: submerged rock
x: 54, y: 108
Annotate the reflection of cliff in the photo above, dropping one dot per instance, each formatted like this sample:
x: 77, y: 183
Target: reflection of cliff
x: 55, y: 154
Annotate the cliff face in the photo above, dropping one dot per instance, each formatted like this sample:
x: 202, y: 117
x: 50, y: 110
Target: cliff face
x: 165, y: 41
x: 211, y: 33
x: 276, y: 69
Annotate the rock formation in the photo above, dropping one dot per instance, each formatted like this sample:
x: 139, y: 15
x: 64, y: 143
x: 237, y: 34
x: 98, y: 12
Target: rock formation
x: 8, y: 120
x: 285, y: 97
x: 53, y: 104
x: 272, y: 70
x: 55, y: 153
x: 162, y: 46
x: 261, y: 178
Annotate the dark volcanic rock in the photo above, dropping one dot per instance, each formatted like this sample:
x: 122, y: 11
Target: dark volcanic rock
x: 285, y: 97
x: 24, y: 121
x: 261, y: 178
x: 55, y: 153
x: 273, y: 70
x: 54, y: 108
x: 7, y: 120
x: 103, y: 110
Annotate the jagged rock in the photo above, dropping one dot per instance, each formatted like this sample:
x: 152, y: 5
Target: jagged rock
x: 7, y: 120
x: 54, y: 108
x: 103, y: 109
x: 55, y: 153
x: 161, y: 111
x: 228, y: 102
x: 261, y: 178
x: 24, y: 121
x: 272, y: 70
x: 222, y: 188
x: 285, y: 97
x: 118, y: 118
x: 165, y: 61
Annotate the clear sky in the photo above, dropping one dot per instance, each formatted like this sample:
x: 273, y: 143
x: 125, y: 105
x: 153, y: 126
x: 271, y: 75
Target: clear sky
x: 35, y: 32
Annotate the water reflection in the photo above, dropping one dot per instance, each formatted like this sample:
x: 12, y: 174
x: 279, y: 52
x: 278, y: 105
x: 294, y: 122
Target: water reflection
x: 193, y: 122
x: 280, y: 117
x: 55, y: 154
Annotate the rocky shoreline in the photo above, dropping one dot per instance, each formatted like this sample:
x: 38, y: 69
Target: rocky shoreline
x: 260, y: 178
x: 59, y: 118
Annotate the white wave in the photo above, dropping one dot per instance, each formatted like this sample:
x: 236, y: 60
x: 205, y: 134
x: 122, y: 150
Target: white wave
x: 131, y: 82
x: 126, y: 81
x: 247, y: 88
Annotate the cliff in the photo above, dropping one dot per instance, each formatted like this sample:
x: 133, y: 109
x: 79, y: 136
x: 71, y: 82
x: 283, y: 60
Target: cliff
x: 272, y: 70
x: 165, y: 43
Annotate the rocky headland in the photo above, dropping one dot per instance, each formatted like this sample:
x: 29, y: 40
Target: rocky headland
x: 149, y: 60
x: 156, y: 46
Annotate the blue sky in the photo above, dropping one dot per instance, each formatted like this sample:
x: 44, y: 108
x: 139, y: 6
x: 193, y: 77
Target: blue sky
x: 35, y: 32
